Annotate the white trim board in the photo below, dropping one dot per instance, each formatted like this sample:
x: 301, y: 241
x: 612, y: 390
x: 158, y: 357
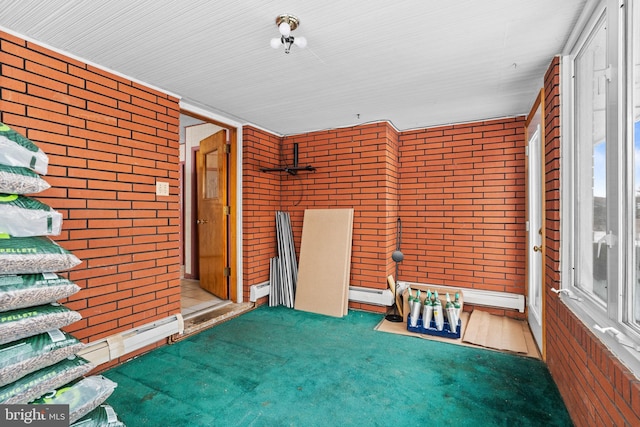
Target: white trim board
x: 505, y: 300
x: 382, y: 297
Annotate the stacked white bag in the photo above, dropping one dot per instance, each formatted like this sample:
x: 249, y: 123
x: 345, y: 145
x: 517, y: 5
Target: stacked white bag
x: 38, y: 361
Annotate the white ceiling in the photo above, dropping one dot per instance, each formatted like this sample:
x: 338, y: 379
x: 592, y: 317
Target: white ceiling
x: 415, y: 63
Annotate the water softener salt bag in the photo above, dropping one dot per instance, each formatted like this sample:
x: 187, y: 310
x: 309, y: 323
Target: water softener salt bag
x: 102, y: 416
x: 30, y: 255
x: 16, y: 150
x: 26, y: 322
x: 82, y: 396
x: 19, y: 180
x: 22, y: 216
x: 21, y: 357
x: 26, y: 290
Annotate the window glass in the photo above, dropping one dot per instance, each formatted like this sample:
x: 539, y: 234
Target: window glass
x: 591, y: 83
x: 212, y: 175
x: 634, y: 79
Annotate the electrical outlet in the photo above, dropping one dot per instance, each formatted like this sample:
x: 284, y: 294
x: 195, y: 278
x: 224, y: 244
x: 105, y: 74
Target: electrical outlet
x: 162, y: 188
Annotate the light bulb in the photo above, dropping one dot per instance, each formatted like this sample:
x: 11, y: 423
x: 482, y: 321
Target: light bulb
x: 275, y: 43
x: 300, y: 42
x: 284, y: 29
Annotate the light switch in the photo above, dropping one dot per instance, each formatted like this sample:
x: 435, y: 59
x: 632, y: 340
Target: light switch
x: 162, y: 188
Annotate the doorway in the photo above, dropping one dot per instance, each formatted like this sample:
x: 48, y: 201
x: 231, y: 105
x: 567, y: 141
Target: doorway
x: 534, y: 134
x: 196, y: 300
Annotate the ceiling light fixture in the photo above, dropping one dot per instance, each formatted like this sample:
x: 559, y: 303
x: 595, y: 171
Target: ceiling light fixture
x: 286, y: 24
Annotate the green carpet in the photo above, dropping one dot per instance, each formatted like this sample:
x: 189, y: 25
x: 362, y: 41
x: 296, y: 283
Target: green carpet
x: 279, y: 367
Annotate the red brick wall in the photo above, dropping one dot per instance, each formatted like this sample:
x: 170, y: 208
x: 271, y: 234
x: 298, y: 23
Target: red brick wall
x: 356, y: 167
x: 108, y: 140
x: 260, y: 200
x: 597, y: 389
x: 459, y: 191
x: 462, y: 203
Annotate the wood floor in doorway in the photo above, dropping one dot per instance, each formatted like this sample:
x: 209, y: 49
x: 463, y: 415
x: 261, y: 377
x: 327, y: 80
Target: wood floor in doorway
x: 202, y: 310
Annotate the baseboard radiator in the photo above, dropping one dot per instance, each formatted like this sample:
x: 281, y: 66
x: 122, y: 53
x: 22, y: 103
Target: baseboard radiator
x: 258, y: 291
x: 371, y: 296
x: 356, y: 293
x: 118, y: 345
x: 504, y: 300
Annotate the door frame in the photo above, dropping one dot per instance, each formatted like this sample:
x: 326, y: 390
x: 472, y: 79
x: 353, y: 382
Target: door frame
x: 195, y: 253
x: 181, y: 203
x: 538, y: 106
x: 234, y: 183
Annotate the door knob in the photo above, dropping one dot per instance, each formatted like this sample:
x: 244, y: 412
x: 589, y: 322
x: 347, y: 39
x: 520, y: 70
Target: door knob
x: 202, y: 221
x: 537, y: 248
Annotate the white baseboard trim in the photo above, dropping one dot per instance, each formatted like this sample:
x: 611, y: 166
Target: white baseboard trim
x: 505, y: 300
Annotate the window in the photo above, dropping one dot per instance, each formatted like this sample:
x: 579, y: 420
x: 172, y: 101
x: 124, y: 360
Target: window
x: 601, y: 177
x: 634, y: 135
x: 590, y: 146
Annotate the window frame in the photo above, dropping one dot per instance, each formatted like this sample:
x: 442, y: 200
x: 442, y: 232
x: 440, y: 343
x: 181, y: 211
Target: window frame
x: 618, y: 313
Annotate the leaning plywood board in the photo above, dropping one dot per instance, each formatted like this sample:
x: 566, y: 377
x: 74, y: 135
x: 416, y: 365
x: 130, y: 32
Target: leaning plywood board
x: 347, y: 270
x: 325, y: 262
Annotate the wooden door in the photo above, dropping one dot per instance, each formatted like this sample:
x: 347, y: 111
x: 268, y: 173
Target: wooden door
x: 534, y: 133
x: 212, y: 219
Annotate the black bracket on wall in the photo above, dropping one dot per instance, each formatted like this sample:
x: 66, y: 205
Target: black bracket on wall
x: 291, y: 170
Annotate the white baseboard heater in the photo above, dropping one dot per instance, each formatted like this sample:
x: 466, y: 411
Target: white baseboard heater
x: 258, y: 291
x: 371, y: 296
x: 505, y: 300
x: 356, y: 293
x: 121, y: 344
